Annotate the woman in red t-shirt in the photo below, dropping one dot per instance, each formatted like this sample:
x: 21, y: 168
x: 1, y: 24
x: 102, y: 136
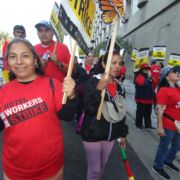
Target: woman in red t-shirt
x: 168, y: 108
x: 31, y: 109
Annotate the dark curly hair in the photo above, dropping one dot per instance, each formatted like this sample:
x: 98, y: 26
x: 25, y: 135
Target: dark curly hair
x: 99, y: 68
x: 38, y: 70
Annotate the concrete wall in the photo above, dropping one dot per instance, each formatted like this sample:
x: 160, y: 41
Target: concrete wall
x: 144, y: 28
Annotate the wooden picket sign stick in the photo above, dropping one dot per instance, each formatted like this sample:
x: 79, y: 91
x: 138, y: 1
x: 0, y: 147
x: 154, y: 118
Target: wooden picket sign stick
x: 70, y: 42
x: 55, y: 47
x: 108, y: 65
x: 71, y: 63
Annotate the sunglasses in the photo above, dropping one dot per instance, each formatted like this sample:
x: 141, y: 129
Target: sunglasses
x: 146, y: 68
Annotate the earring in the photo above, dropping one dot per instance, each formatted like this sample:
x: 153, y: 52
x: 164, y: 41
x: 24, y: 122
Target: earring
x: 36, y: 66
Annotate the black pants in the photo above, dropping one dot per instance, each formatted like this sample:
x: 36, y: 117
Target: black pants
x: 143, y: 110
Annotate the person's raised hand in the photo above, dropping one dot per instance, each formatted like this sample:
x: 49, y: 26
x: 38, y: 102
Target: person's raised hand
x: 55, y: 60
x: 69, y: 87
x: 103, y: 83
x: 43, y: 62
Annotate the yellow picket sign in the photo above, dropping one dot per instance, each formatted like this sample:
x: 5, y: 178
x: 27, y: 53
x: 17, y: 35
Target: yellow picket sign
x: 85, y: 14
x: 133, y: 55
x: 139, y: 62
x: 5, y: 75
x: 81, y: 53
x: 159, y: 55
x: 56, y: 25
x: 173, y: 62
x: 159, y: 52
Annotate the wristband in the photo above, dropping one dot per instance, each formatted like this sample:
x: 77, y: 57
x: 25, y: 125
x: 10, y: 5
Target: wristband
x: 61, y: 67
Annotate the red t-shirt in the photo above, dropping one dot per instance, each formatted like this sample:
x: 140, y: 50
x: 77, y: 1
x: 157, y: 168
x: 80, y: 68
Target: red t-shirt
x: 32, y: 139
x: 122, y: 71
x: 155, y: 73
x: 140, y: 80
x: 87, y: 68
x: 112, y: 89
x: 63, y: 55
x: 171, y: 98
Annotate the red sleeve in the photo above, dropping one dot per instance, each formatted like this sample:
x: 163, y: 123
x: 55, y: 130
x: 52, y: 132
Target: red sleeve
x: 140, y: 79
x: 123, y: 70
x: 162, y: 96
x: 151, y: 70
x: 58, y: 94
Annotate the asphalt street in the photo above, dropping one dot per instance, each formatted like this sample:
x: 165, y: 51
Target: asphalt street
x: 76, y: 165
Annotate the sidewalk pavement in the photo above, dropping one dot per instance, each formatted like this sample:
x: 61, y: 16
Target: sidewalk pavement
x: 131, y: 104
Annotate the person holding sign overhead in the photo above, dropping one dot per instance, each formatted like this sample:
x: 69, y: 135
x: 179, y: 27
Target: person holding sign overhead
x: 144, y: 97
x: 98, y: 135
x: 55, y: 64
x: 31, y: 109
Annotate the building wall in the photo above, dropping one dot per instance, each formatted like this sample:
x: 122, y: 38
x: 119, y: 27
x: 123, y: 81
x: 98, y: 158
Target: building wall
x: 147, y: 27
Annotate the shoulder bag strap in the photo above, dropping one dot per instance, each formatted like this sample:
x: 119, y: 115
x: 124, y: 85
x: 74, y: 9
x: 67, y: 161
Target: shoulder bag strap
x: 169, y: 117
x: 51, y: 84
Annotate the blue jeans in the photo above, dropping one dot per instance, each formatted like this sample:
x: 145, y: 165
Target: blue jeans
x: 164, y: 153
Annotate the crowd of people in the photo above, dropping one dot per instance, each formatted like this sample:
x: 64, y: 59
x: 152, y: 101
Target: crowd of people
x: 160, y: 85
x: 31, y: 107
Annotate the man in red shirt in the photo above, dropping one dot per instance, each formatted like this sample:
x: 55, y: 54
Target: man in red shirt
x: 155, y: 72
x: 55, y: 64
x: 122, y: 72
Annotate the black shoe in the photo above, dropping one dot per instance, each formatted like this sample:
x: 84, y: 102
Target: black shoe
x: 171, y: 166
x: 161, y: 173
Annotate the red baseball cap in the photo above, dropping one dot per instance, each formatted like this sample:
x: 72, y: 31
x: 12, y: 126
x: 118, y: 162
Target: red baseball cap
x: 145, y: 66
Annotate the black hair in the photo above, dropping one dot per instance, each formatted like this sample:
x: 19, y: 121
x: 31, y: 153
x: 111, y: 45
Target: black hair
x: 99, y: 68
x: 90, y: 52
x: 38, y: 70
x: 20, y: 27
x: 162, y: 65
x: 75, y: 56
x: 123, y: 63
x: 164, y: 83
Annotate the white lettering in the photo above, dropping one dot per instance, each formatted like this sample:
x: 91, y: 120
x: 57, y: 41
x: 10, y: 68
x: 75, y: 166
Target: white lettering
x: 39, y: 100
x: 20, y: 107
x: 30, y: 103
x: 25, y: 106
x: 8, y: 112
x: 15, y: 109
x: 34, y: 101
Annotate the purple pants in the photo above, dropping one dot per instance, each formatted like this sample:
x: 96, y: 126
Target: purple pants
x: 97, y: 154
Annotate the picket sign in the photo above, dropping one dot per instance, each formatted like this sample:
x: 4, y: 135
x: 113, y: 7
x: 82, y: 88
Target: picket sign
x: 174, y: 60
x: 78, y: 23
x: 108, y: 64
x: 56, y: 25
